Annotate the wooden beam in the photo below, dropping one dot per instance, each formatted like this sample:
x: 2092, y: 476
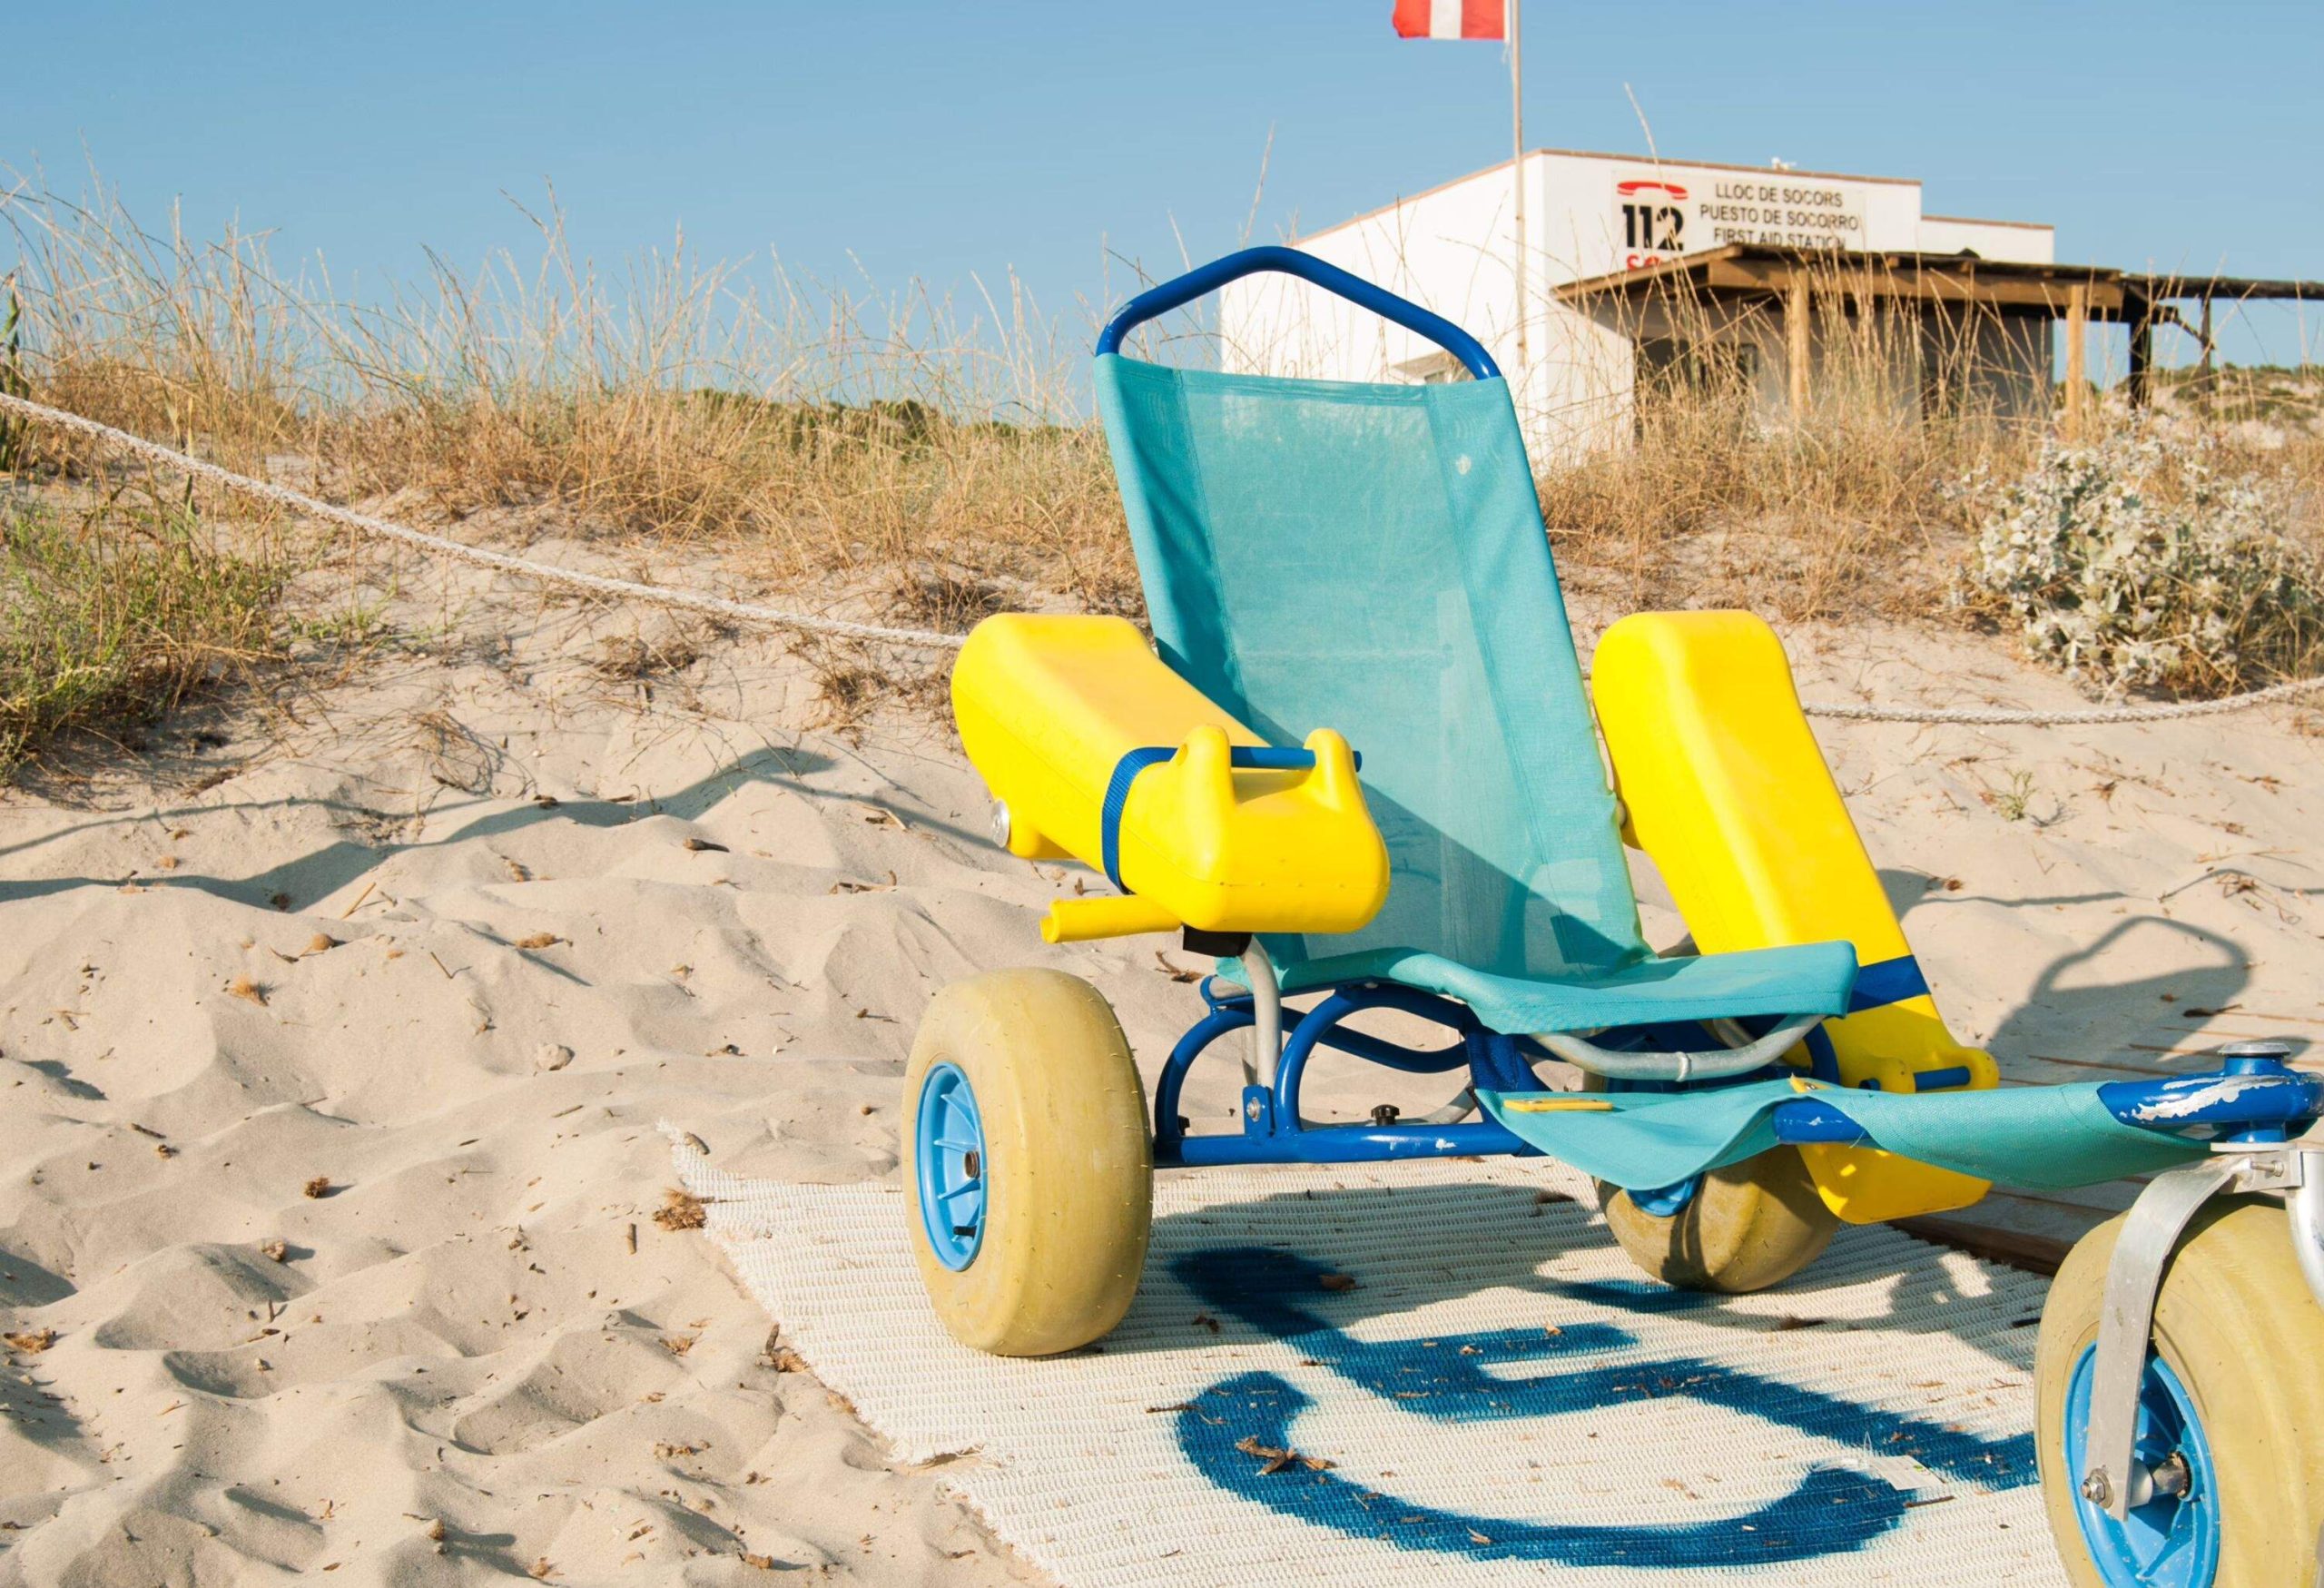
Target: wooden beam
x: 2238, y: 287
x: 1796, y: 330
x: 2103, y: 299
x: 2077, y: 359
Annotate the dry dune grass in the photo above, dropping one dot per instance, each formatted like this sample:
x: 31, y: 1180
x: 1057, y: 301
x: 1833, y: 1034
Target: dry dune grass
x: 1859, y: 504
x: 818, y: 432
x: 932, y: 462
x: 927, y: 462
x: 1828, y: 520
x: 1842, y: 511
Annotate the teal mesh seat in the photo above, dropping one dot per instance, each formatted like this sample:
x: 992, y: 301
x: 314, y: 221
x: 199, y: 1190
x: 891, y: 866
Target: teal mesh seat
x: 1372, y: 559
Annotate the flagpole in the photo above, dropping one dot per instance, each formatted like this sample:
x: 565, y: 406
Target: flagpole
x: 1517, y: 169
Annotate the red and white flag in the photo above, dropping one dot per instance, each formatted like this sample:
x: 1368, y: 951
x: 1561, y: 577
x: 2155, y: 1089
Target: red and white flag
x: 1450, y: 19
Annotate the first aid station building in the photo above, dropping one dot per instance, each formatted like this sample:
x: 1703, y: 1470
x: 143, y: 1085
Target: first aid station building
x: 1643, y: 274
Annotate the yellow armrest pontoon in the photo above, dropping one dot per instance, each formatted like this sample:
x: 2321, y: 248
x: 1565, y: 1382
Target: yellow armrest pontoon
x: 1726, y: 790
x: 1094, y: 748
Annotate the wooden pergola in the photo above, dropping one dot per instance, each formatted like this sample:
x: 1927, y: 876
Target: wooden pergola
x: 2077, y: 294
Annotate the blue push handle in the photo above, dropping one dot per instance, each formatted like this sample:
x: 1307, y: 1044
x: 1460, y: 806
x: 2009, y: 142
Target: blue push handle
x: 1204, y: 279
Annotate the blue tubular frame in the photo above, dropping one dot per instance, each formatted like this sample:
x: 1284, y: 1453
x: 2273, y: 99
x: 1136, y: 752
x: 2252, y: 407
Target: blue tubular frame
x: 1273, y: 1132
x: 2255, y: 1099
x: 1204, y: 279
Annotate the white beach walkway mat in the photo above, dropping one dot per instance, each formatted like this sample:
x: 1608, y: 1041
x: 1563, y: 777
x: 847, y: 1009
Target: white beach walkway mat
x: 1441, y: 1374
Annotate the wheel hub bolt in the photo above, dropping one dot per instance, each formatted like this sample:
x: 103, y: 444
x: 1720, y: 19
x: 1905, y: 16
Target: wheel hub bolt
x: 2095, y: 1488
x: 2172, y: 1475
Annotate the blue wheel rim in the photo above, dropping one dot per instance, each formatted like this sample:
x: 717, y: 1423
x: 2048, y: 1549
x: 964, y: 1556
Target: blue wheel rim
x: 948, y: 1161
x: 2169, y: 1542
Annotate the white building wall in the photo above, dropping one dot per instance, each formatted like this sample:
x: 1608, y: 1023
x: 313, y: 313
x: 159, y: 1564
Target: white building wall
x: 1452, y: 250
x: 2022, y: 240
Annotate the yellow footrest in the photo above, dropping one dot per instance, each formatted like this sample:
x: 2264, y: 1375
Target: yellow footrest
x: 1123, y: 915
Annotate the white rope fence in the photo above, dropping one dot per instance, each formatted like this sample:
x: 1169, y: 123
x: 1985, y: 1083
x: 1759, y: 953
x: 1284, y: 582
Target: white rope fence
x: 748, y: 612
x: 2003, y: 717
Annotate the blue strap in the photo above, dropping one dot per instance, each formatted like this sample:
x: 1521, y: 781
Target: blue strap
x: 1823, y: 1058
x: 1249, y: 757
x: 1877, y: 986
x: 1887, y: 983
x: 1498, y: 1064
x: 1109, y: 817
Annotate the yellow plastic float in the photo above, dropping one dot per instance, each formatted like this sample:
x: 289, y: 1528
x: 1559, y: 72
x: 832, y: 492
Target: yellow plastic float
x: 1212, y: 828
x: 1726, y: 791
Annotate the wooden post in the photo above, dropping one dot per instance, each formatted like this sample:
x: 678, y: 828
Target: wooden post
x: 2141, y: 314
x: 2203, y: 377
x: 2077, y: 359
x: 1796, y: 331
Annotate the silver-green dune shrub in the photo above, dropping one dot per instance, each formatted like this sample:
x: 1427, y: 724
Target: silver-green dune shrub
x: 2138, y: 561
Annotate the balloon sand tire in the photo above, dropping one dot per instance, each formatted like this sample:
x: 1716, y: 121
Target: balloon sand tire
x: 1029, y: 1171
x: 2238, y: 1392
x: 1747, y: 1226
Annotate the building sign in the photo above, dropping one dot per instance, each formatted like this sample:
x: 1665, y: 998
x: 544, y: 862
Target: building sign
x: 1653, y: 216
x: 1658, y: 214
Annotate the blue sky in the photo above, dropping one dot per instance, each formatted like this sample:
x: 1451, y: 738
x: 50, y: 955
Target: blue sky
x: 935, y: 139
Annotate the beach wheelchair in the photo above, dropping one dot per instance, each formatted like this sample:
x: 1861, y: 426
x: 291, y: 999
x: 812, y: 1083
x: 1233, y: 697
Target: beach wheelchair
x: 1360, y: 766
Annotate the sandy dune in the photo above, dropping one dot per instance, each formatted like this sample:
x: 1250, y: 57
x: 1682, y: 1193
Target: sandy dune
x: 333, y: 1055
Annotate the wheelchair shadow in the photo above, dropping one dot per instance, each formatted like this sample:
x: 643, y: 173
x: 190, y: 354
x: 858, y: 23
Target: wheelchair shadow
x: 1310, y: 1275
x: 2069, y: 1015
x: 1348, y: 1259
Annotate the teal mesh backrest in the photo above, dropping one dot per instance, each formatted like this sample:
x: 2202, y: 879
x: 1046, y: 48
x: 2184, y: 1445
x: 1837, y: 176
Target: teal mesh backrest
x: 1372, y: 559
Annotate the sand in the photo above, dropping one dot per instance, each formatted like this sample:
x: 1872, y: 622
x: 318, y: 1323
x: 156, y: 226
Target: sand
x: 338, y: 1024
